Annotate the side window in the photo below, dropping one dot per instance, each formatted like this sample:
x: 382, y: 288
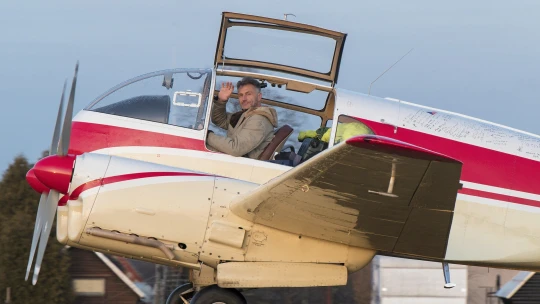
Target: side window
x: 297, y: 120
x: 348, y: 127
x: 178, y: 99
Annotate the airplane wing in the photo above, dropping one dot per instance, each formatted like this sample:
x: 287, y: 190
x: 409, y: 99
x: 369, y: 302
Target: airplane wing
x: 370, y: 191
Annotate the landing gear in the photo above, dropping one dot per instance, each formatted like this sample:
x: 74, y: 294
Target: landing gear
x: 181, y: 295
x: 214, y: 294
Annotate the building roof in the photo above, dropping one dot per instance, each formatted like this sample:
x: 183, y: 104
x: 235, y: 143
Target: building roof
x: 119, y: 274
x: 509, y: 289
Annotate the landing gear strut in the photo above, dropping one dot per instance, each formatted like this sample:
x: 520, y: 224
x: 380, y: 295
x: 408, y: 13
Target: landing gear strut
x: 185, y: 294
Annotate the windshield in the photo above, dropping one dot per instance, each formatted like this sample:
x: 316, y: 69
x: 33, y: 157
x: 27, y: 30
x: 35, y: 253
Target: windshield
x: 176, y: 97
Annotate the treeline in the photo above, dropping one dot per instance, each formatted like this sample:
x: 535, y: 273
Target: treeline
x: 18, y: 208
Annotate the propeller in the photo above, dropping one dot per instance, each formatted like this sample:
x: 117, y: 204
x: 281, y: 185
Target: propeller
x: 47, y: 216
x: 63, y: 144
x: 37, y: 233
x: 52, y: 173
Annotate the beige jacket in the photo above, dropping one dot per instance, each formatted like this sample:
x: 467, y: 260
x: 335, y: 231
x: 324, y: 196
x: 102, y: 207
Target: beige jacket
x: 253, y: 132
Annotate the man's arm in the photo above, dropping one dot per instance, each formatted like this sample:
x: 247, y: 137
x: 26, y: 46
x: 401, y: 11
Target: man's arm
x: 219, y: 115
x: 253, y: 133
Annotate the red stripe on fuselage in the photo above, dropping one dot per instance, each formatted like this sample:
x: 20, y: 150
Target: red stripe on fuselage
x: 87, y: 137
x: 120, y: 178
x: 480, y: 165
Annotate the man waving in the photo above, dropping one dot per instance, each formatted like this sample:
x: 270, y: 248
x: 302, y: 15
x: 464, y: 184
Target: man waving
x: 250, y: 130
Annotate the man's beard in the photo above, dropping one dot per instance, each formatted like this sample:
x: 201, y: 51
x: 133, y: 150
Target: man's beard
x: 252, y: 105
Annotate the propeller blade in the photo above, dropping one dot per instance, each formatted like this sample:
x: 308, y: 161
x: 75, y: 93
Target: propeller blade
x: 63, y: 144
x: 56, y: 135
x: 47, y: 218
x: 37, y: 232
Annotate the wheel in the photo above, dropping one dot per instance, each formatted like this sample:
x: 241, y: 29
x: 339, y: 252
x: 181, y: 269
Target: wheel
x: 181, y: 295
x: 217, y: 295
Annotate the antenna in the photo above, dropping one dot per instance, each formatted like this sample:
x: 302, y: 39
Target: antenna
x: 287, y: 14
x: 369, y: 91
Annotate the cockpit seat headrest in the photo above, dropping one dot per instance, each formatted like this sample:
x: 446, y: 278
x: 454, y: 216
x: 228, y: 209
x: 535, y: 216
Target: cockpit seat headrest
x: 280, y: 137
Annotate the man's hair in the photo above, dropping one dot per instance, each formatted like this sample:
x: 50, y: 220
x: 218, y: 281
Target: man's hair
x: 248, y: 80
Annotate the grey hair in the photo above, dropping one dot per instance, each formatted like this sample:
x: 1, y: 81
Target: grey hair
x: 249, y: 80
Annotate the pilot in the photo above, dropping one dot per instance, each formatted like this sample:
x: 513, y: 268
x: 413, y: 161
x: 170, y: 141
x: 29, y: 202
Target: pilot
x: 250, y: 130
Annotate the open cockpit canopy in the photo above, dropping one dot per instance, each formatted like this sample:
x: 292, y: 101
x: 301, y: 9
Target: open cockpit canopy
x: 279, y: 45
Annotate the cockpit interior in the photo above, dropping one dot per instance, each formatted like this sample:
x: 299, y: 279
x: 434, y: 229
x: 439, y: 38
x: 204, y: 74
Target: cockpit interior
x: 296, y: 64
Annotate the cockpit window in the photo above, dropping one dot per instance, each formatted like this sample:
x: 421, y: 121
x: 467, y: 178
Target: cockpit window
x: 174, y: 97
x: 349, y: 127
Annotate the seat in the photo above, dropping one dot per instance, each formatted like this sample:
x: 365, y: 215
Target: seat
x: 280, y: 137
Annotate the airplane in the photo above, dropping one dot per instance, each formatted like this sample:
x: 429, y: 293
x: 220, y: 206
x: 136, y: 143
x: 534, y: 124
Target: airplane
x: 131, y: 175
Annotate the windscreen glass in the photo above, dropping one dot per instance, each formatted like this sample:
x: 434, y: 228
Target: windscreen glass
x: 174, y: 98
x: 300, y: 50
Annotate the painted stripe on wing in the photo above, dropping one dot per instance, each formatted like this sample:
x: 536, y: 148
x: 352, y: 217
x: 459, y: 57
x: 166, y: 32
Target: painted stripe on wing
x: 486, y: 201
x: 497, y: 203
x: 503, y: 191
x: 500, y: 197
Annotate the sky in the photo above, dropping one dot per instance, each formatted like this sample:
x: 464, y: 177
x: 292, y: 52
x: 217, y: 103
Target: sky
x: 479, y: 58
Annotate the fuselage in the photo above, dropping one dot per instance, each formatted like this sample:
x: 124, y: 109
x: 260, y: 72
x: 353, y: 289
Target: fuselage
x: 495, y: 217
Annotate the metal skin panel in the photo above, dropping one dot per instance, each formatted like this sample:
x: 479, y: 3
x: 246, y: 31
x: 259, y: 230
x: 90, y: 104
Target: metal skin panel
x: 225, y: 190
x: 145, y: 199
x: 62, y: 224
x: 261, y: 274
x: 175, y: 205
x: 88, y: 168
x: 499, y: 233
x: 227, y: 234
x: 269, y: 244
x: 341, y: 196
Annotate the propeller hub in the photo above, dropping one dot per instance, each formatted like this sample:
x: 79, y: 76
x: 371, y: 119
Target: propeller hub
x: 54, y: 172
x: 34, y: 182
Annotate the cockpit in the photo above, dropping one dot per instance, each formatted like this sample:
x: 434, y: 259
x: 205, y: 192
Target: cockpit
x: 296, y: 64
x: 182, y: 99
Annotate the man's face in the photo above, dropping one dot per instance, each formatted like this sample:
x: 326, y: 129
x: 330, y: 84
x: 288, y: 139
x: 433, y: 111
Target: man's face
x: 249, y: 97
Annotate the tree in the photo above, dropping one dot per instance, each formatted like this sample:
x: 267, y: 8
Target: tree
x: 18, y: 208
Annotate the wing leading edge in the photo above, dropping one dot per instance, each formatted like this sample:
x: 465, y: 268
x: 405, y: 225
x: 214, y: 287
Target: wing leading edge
x: 371, y: 192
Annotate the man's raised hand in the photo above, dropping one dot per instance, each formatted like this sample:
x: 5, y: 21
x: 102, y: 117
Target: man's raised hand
x: 225, y: 92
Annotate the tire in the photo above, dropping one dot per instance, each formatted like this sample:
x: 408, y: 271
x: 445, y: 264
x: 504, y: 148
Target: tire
x: 182, y: 290
x: 215, y: 294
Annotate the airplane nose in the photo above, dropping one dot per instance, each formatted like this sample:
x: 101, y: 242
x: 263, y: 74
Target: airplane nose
x: 34, y: 182
x: 54, y: 172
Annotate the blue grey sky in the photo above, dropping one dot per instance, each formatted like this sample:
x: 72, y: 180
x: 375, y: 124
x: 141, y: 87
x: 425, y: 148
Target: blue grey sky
x: 479, y: 58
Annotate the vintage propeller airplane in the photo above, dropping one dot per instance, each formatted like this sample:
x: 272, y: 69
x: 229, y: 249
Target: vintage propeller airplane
x: 132, y: 176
